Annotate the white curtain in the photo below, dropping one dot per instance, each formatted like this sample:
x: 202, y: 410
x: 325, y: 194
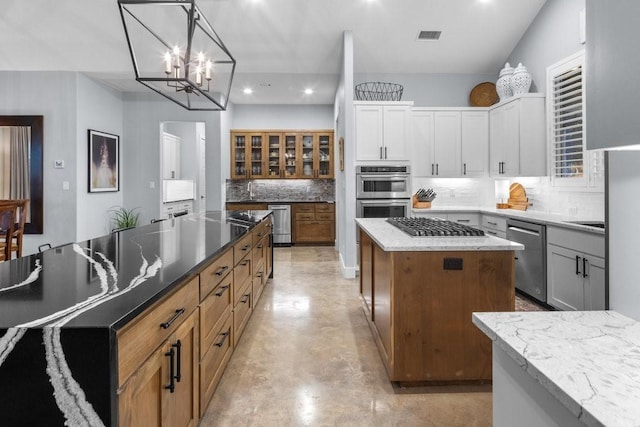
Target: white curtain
x: 19, y: 185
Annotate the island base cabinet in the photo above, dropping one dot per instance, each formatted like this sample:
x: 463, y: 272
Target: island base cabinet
x: 164, y: 391
x: 214, y: 362
x: 422, y: 312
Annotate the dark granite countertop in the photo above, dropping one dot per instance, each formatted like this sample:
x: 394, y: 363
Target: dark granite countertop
x: 105, y: 282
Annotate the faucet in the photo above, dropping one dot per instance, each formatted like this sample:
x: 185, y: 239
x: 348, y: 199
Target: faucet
x: 250, y: 190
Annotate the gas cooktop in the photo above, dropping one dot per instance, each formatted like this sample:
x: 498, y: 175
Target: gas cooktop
x: 433, y: 227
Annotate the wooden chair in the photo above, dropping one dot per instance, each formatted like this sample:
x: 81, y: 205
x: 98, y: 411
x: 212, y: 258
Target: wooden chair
x: 7, y: 225
x: 18, y: 229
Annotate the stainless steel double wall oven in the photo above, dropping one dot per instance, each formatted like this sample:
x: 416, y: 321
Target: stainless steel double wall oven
x: 383, y: 191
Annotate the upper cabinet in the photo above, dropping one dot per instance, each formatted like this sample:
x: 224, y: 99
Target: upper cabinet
x: 382, y: 131
x: 517, y: 142
x: 611, y: 82
x: 281, y: 154
x: 449, y: 143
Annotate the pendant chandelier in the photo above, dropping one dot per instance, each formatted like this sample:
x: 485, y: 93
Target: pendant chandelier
x: 177, y: 53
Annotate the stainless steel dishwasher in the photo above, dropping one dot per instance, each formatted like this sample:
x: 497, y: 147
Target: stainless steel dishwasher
x: 531, y: 263
x: 281, y: 224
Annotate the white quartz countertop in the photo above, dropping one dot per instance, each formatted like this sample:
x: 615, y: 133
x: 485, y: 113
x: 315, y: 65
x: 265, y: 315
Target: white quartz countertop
x: 528, y: 215
x: 392, y: 239
x: 588, y: 360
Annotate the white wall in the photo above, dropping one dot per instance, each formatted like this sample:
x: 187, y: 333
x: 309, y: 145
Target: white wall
x: 99, y: 108
x: 54, y: 96
x: 249, y: 116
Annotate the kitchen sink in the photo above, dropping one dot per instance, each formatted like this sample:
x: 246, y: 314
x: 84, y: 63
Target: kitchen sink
x: 595, y: 224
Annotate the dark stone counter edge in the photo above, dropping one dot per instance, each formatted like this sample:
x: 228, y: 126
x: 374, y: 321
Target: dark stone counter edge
x: 273, y: 202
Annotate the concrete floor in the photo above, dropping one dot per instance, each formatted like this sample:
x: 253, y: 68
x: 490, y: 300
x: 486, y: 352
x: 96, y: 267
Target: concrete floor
x: 307, y: 358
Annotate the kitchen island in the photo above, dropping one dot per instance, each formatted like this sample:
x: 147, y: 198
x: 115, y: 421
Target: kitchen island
x: 131, y: 328
x: 419, y: 294
x: 564, y: 368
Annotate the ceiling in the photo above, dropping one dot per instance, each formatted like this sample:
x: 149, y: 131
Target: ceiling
x: 281, y: 46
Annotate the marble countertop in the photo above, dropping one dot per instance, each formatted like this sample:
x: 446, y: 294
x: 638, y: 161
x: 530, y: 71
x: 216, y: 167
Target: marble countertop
x: 105, y: 282
x: 588, y: 360
x: 528, y: 215
x: 390, y: 238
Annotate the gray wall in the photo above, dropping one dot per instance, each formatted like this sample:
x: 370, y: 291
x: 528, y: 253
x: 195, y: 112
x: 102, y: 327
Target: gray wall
x: 143, y: 114
x: 99, y: 108
x: 52, y: 95
x: 282, y: 117
x: 553, y: 35
x: 432, y: 90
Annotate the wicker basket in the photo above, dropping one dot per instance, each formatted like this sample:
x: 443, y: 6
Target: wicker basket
x: 378, y: 91
x: 483, y: 95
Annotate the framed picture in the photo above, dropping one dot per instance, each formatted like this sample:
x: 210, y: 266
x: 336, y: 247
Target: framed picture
x: 104, y: 168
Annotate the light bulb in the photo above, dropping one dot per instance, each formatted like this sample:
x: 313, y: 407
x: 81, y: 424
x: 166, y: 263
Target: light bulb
x: 207, y: 71
x: 167, y: 63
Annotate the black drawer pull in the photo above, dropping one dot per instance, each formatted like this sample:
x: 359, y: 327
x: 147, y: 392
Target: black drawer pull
x: 259, y: 246
x: 172, y: 385
x: 168, y: 323
x: 246, y: 298
x: 221, y: 270
x: 244, y: 263
x: 222, y: 290
x: 259, y: 274
x: 245, y: 248
x: 224, y: 338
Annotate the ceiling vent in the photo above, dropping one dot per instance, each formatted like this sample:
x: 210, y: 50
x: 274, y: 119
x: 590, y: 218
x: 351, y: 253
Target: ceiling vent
x: 429, y: 35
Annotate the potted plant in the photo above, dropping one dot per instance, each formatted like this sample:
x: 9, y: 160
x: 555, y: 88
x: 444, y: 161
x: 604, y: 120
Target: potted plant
x: 124, y: 218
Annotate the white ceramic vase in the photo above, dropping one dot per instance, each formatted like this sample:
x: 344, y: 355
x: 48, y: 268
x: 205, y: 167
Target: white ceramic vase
x: 521, y: 80
x: 503, y: 84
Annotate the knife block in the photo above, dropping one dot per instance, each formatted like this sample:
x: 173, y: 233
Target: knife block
x: 420, y: 205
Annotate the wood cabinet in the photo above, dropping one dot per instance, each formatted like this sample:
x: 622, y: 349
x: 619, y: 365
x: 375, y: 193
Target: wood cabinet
x: 575, y: 270
x: 259, y: 154
x: 382, y: 131
x: 241, y: 206
x: 517, y: 141
x: 163, y: 391
x: 172, y: 356
x: 314, y: 223
x: 449, y: 143
x: 421, y: 310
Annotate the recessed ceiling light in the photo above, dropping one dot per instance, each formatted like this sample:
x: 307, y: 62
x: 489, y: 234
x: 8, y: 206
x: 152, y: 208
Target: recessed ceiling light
x: 308, y: 91
x: 248, y: 90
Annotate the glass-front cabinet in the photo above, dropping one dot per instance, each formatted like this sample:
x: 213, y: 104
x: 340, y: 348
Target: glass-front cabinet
x: 281, y: 154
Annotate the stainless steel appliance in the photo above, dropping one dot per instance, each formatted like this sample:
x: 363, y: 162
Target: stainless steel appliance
x: 531, y: 263
x: 432, y: 227
x: 383, y: 191
x: 281, y: 224
x: 383, y: 182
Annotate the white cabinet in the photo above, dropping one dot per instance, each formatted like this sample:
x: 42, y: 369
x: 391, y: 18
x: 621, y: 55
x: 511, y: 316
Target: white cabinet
x: 446, y: 144
x: 495, y: 226
x: 382, y: 131
x: 421, y: 142
x: 474, y: 139
x: 575, y: 270
x: 517, y: 142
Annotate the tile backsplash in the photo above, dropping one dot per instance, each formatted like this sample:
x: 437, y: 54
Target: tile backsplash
x: 472, y: 192
x: 284, y: 190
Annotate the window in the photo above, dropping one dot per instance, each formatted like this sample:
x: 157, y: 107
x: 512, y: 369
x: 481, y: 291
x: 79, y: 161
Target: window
x: 570, y: 163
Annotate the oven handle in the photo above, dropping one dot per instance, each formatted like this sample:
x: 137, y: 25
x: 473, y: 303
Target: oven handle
x: 399, y: 177
x: 387, y: 202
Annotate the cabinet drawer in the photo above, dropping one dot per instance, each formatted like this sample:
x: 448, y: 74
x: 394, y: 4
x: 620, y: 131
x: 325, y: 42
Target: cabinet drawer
x: 305, y: 216
x: 137, y: 340
x: 257, y: 255
x: 325, y: 207
x: 470, y: 219
x: 259, y: 232
x: 214, y: 361
x: 242, y: 248
x: 324, y: 216
x: 305, y: 208
x: 315, y: 231
x: 241, y: 275
x: 494, y: 223
x: 241, y: 313
x: 500, y: 234
x: 580, y: 241
x: 213, y: 310
x: 215, y: 272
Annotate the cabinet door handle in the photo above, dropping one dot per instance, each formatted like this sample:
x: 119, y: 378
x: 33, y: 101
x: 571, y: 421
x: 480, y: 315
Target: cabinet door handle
x: 585, y: 262
x: 437, y: 169
x: 178, y: 346
x: 222, y: 290
x: 246, y: 298
x: 381, y: 152
x: 385, y: 152
x: 224, y: 338
x: 172, y: 356
x: 464, y: 169
x: 432, y: 169
x: 169, y: 322
x: 577, y: 265
x: 221, y: 270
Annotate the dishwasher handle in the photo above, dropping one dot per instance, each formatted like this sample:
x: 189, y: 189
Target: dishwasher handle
x: 278, y: 208
x: 524, y: 230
